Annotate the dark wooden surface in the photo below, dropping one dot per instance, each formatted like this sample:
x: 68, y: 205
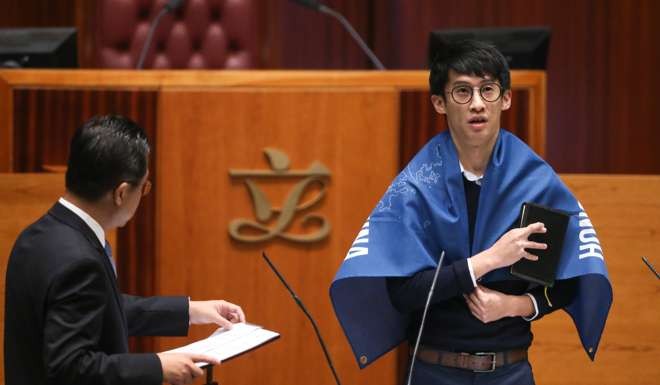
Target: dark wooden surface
x: 37, y: 13
x: 300, y: 38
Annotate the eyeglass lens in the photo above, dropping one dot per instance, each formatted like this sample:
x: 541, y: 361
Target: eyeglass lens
x: 489, y: 92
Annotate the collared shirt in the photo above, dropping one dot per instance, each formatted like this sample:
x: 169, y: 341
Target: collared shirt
x: 91, y: 222
x: 471, y: 177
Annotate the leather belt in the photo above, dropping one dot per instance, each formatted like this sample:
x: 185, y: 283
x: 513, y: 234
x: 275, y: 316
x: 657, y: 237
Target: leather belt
x: 477, y: 362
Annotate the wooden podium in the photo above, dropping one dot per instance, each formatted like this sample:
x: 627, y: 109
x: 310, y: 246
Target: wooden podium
x: 287, y: 162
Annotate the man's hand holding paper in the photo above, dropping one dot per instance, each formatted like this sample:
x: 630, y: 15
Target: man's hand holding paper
x: 219, y: 312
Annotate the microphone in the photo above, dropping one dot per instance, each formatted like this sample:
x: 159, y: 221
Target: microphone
x: 315, y: 5
x: 426, y: 309
x: 169, y: 7
x: 648, y: 264
x: 309, y: 316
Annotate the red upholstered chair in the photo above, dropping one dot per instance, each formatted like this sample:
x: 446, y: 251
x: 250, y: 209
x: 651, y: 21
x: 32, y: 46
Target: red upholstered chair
x: 200, y: 34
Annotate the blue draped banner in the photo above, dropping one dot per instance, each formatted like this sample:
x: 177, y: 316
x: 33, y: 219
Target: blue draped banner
x: 423, y: 212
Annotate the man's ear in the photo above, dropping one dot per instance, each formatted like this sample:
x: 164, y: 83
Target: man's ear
x: 439, y: 104
x: 120, y: 194
x: 506, y: 100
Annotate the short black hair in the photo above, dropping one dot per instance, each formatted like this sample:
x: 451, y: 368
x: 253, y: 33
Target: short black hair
x: 106, y: 151
x: 468, y: 57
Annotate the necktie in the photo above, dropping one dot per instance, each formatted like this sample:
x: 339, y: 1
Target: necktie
x: 108, y: 253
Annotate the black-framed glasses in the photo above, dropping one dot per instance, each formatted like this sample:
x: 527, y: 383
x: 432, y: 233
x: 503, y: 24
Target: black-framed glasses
x: 489, y: 92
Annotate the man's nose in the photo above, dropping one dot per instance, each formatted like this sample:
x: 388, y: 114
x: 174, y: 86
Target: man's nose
x: 477, y: 103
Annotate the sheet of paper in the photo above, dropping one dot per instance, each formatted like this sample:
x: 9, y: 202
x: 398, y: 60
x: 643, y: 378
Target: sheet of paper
x: 224, y: 344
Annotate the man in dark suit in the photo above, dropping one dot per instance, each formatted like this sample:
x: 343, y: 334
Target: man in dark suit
x: 65, y: 320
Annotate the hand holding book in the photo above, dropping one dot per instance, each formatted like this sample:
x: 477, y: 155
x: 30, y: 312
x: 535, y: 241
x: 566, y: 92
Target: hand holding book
x: 513, y: 246
x: 543, y: 270
x: 516, y: 244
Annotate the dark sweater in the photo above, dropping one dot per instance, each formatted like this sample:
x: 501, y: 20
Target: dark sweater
x: 449, y: 324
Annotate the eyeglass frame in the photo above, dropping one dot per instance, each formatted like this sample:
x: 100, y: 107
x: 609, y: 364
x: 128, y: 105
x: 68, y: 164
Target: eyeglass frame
x: 499, y: 86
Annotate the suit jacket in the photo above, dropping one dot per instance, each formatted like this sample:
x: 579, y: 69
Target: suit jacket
x: 65, y: 319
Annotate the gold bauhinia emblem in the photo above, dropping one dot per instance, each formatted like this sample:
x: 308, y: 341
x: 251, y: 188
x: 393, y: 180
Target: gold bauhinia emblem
x: 249, y: 230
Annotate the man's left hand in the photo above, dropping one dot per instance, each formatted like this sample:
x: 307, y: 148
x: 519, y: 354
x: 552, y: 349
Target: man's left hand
x: 490, y: 305
x: 218, y: 312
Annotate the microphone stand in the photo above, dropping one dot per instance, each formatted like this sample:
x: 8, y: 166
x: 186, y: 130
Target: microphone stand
x: 169, y: 7
x: 426, y: 309
x: 329, y: 11
x: 315, y: 5
x: 309, y: 316
x: 648, y: 264
x: 150, y: 35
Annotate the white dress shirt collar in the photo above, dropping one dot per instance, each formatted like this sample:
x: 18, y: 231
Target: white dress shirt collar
x: 470, y: 176
x: 91, y: 222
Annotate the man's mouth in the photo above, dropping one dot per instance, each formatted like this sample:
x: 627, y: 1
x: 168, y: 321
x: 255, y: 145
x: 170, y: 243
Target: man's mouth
x: 478, y: 120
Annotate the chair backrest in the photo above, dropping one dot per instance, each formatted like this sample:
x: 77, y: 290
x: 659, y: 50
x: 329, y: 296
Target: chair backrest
x: 200, y: 34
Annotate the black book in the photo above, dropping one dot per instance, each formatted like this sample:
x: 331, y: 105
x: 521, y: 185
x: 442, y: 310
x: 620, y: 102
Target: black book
x: 544, y: 270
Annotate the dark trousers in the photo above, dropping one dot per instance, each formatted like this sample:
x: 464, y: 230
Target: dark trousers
x: 519, y: 373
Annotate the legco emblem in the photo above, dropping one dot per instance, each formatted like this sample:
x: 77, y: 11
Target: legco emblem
x: 250, y: 230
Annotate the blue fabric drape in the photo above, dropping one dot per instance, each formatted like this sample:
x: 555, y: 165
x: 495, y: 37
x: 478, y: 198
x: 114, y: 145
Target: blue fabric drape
x: 424, y: 212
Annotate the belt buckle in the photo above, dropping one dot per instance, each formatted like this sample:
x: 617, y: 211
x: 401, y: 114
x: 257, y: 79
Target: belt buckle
x: 492, y: 368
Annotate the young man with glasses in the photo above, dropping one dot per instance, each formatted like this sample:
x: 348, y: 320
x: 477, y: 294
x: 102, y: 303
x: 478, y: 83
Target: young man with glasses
x: 461, y: 196
x: 66, y: 321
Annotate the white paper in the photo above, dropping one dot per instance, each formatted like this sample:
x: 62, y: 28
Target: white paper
x: 224, y: 344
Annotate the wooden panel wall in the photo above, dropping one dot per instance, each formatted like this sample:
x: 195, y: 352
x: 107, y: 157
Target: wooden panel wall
x: 196, y: 254
x: 45, y: 120
x: 35, y: 13
x: 625, y: 211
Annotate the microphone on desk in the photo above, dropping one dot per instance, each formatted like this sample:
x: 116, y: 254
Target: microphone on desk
x: 304, y: 309
x: 426, y: 309
x: 169, y: 7
x: 317, y: 6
